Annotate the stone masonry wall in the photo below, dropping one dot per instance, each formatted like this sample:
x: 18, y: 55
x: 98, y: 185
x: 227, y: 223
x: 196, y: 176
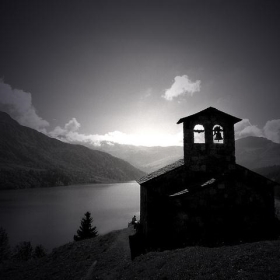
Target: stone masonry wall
x: 209, y: 156
x: 226, y: 211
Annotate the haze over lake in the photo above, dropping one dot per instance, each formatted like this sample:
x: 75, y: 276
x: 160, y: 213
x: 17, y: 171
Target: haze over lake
x: 51, y: 216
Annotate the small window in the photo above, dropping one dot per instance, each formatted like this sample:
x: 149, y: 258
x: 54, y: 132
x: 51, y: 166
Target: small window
x: 218, y: 134
x: 199, y: 134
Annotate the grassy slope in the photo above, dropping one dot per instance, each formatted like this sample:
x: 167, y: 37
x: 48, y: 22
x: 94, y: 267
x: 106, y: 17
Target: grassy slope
x: 108, y: 257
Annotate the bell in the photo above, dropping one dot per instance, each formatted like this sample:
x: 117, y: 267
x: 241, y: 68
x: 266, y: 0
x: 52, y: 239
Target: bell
x: 218, y: 136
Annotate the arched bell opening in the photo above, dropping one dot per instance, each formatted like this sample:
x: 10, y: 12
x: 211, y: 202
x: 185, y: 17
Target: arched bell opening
x: 199, y: 134
x: 218, y: 134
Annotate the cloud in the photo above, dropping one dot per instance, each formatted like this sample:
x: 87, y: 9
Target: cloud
x: 148, y: 93
x: 18, y: 104
x: 244, y: 129
x: 272, y: 130
x: 69, y: 133
x: 182, y: 85
x: 72, y: 126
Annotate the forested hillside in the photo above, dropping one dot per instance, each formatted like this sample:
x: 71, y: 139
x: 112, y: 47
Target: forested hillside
x: 31, y: 159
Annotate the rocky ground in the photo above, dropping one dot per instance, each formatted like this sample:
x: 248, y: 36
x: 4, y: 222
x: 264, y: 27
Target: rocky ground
x: 108, y: 257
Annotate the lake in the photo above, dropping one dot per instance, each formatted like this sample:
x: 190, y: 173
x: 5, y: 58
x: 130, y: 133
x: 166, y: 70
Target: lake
x: 51, y: 216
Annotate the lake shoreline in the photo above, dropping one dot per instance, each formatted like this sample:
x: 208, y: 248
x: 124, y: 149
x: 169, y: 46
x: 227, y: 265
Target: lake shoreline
x: 75, y: 184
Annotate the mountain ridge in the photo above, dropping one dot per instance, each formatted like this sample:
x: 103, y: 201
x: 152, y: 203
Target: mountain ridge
x: 251, y: 152
x: 30, y: 158
x: 256, y: 153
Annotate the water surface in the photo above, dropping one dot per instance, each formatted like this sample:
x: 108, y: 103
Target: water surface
x: 51, y: 216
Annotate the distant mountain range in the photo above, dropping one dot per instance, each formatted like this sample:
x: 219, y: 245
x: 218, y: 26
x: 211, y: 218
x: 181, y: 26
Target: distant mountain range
x: 251, y: 152
x: 147, y: 159
x: 29, y: 158
x: 256, y: 153
x: 260, y: 155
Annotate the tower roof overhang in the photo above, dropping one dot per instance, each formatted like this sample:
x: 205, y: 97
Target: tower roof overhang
x: 210, y: 112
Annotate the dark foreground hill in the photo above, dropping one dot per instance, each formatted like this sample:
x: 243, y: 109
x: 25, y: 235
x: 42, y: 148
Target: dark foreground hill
x: 108, y: 257
x: 31, y: 159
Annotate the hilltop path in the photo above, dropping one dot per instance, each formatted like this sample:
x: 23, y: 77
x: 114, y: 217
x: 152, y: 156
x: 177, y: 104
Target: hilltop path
x: 116, y: 257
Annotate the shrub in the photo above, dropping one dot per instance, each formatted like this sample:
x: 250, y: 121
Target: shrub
x: 5, y: 250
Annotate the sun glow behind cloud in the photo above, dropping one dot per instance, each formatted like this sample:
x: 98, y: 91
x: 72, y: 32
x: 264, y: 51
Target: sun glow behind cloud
x: 73, y: 136
x: 242, y: 129
x: 18, y: 104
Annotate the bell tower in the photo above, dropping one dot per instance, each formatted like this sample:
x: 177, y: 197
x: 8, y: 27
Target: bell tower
x: 209, y: 144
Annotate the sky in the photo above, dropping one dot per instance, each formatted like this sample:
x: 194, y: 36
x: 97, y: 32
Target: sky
x: 127, y: 71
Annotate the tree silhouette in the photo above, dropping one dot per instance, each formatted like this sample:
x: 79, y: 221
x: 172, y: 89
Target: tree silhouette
x: 39, y: 252
x: 86, y: 230
x: 23, y: 251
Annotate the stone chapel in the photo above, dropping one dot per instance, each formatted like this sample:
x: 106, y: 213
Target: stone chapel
x: 206, y: 198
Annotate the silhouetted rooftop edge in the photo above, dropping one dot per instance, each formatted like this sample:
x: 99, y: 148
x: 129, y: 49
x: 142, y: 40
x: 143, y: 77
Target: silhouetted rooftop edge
x: 210, y: 111
x: 161, y: 171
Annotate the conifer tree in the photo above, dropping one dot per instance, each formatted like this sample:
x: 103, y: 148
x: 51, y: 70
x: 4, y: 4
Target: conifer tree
x: 86, y: 230
x: 39, y: 252
x: 23, y: 251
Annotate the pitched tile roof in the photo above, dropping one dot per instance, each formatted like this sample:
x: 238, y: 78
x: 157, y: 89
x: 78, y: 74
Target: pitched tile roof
x: 161, y: 171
